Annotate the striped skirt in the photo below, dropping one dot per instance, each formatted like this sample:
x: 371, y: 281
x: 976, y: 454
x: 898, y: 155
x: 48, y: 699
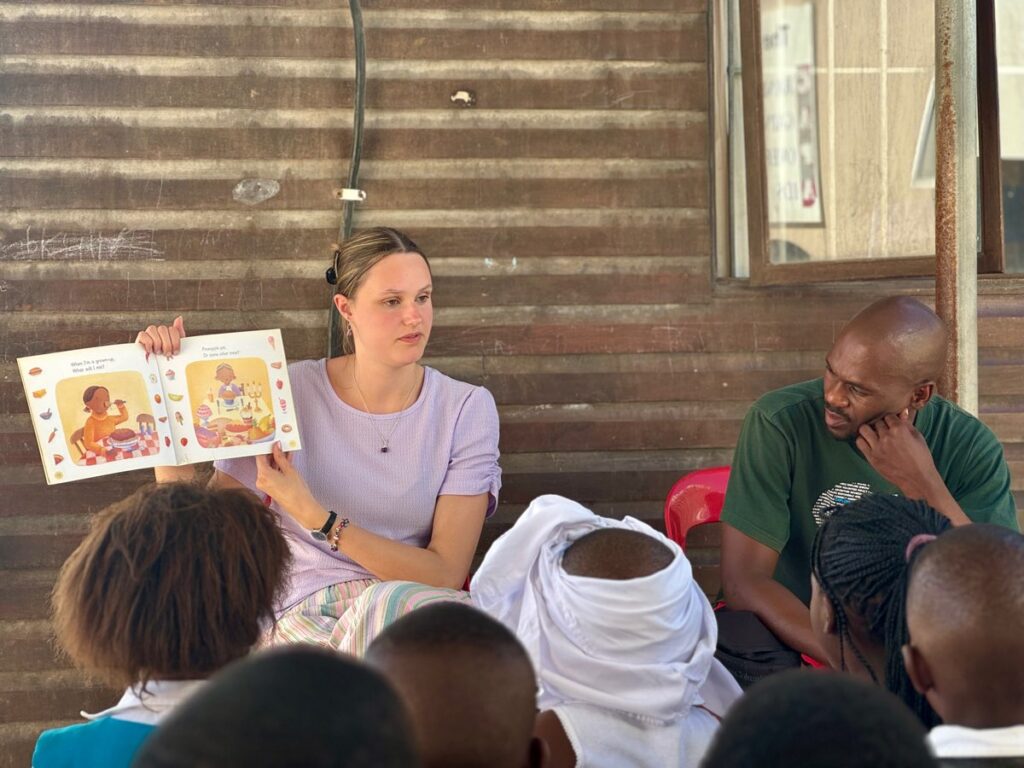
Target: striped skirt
x: 348, y: 616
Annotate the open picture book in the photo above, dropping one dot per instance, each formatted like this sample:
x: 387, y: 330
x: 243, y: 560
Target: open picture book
x: 108, y: 409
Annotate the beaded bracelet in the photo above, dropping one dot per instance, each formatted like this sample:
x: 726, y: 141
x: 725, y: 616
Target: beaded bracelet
x: 336, y: 533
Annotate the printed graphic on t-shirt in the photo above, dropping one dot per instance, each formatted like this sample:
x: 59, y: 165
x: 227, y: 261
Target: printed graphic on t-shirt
x: 837, y: 496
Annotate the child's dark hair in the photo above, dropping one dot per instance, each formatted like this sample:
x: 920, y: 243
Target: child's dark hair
x: 171, y: 583
x: 807, y: 719
x: 860, y: 560
x: 297, y: 706
x: 88, y: 394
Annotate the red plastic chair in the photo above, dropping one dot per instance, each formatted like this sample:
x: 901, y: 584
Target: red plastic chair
x: 695, y: 499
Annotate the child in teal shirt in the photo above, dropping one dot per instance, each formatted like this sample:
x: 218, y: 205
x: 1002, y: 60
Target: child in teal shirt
x: 168, y: 586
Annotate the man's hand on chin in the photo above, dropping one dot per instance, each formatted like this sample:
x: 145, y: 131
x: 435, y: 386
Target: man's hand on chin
x: 899, y: 453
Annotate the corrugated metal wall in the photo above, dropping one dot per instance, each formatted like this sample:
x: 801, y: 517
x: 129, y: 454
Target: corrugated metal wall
x: 566, y: 215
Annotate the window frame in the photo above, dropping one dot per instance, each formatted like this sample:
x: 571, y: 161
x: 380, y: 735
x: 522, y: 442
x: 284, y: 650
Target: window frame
x: 991, y: 257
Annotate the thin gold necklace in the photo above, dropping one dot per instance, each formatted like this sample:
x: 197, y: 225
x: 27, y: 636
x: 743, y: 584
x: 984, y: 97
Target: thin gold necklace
x: 384, y: 439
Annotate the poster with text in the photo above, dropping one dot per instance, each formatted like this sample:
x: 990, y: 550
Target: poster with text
x: 791, y: 115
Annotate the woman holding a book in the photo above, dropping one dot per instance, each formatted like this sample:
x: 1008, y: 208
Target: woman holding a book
x: 399, y: 465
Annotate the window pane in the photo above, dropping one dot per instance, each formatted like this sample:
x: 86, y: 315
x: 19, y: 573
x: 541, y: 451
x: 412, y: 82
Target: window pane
x: 1010, y: 55
x: 846, y: 90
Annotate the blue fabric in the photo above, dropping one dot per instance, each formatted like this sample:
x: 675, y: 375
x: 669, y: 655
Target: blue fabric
x: 106, y: 742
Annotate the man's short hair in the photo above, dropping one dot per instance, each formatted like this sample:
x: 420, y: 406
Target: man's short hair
x: 467, y: 681
x: 295, y: 707
x: 819, y: 719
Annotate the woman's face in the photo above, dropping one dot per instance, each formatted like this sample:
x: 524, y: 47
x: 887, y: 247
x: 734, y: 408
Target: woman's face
x: 99, y: 402
x: 391, y: 313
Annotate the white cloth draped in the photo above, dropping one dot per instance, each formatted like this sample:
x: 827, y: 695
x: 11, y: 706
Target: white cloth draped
x: 644, y: 647
x: 956, y: 741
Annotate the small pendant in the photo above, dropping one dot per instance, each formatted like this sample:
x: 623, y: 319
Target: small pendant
x: 384, y: 449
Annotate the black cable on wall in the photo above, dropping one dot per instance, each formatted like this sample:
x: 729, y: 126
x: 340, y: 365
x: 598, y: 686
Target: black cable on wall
x: 348, y: 202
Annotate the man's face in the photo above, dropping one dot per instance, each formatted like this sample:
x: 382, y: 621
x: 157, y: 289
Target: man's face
x: 861, y: 385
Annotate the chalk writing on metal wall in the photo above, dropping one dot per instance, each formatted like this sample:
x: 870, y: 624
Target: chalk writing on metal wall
x: 126, y: 245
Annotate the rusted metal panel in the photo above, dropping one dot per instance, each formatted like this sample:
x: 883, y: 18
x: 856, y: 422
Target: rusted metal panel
x: 30, y: 643
x: 38, y: 138
x: 684, y: 189
x: 45, y: 694
x: 685, y: 89
x: 684, y: 6
x: 570, y: 239
x: 256, y: 294
x: 99, y: 36
x: 668, y: 385
x: 633, y: 435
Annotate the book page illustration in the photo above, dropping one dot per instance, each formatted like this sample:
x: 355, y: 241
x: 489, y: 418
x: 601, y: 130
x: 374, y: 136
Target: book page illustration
x: 110, y: 409
x: 96, y: 412
x: 230, y: 402
x: 228, y: 396
x: 114, y: 414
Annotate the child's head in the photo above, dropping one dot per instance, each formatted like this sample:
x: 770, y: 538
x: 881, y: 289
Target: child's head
x: 818, y: 719
x: 965, y: 615
x: 859, y: 566
x: 468, y: 683
x: 298, y: 706
x: 225, y: 373
x: 172, y: 583
x: 616, y: 553
x: 96, y: 399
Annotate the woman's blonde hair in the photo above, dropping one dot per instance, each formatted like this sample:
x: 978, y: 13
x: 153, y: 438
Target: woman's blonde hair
x: 357, y: 256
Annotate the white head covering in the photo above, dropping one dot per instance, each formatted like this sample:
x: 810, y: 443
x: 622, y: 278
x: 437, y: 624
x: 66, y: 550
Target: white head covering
x: 641, y: 646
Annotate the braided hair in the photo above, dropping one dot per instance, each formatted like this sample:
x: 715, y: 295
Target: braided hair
x: 859, y: 558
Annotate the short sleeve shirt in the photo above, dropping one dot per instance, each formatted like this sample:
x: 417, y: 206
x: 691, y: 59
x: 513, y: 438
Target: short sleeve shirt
x: 788, y: 469
x: 446, y: 443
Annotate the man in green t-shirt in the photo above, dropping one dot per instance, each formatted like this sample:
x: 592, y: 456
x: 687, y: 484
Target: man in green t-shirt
x: 873, y: 424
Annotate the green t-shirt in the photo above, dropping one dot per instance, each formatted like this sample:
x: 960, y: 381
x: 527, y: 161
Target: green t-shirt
x: 788, y: 469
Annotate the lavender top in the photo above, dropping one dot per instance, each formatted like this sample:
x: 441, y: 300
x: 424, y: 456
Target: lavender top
x: 445, y: 443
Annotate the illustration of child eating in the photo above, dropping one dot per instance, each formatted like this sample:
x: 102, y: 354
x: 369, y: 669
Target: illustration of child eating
x: 100, y: 424
x: 228, y: 392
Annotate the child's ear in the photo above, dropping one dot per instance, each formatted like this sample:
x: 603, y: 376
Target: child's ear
x: 829, y: 617
x: 917, y: 669
x: 540, y: 754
